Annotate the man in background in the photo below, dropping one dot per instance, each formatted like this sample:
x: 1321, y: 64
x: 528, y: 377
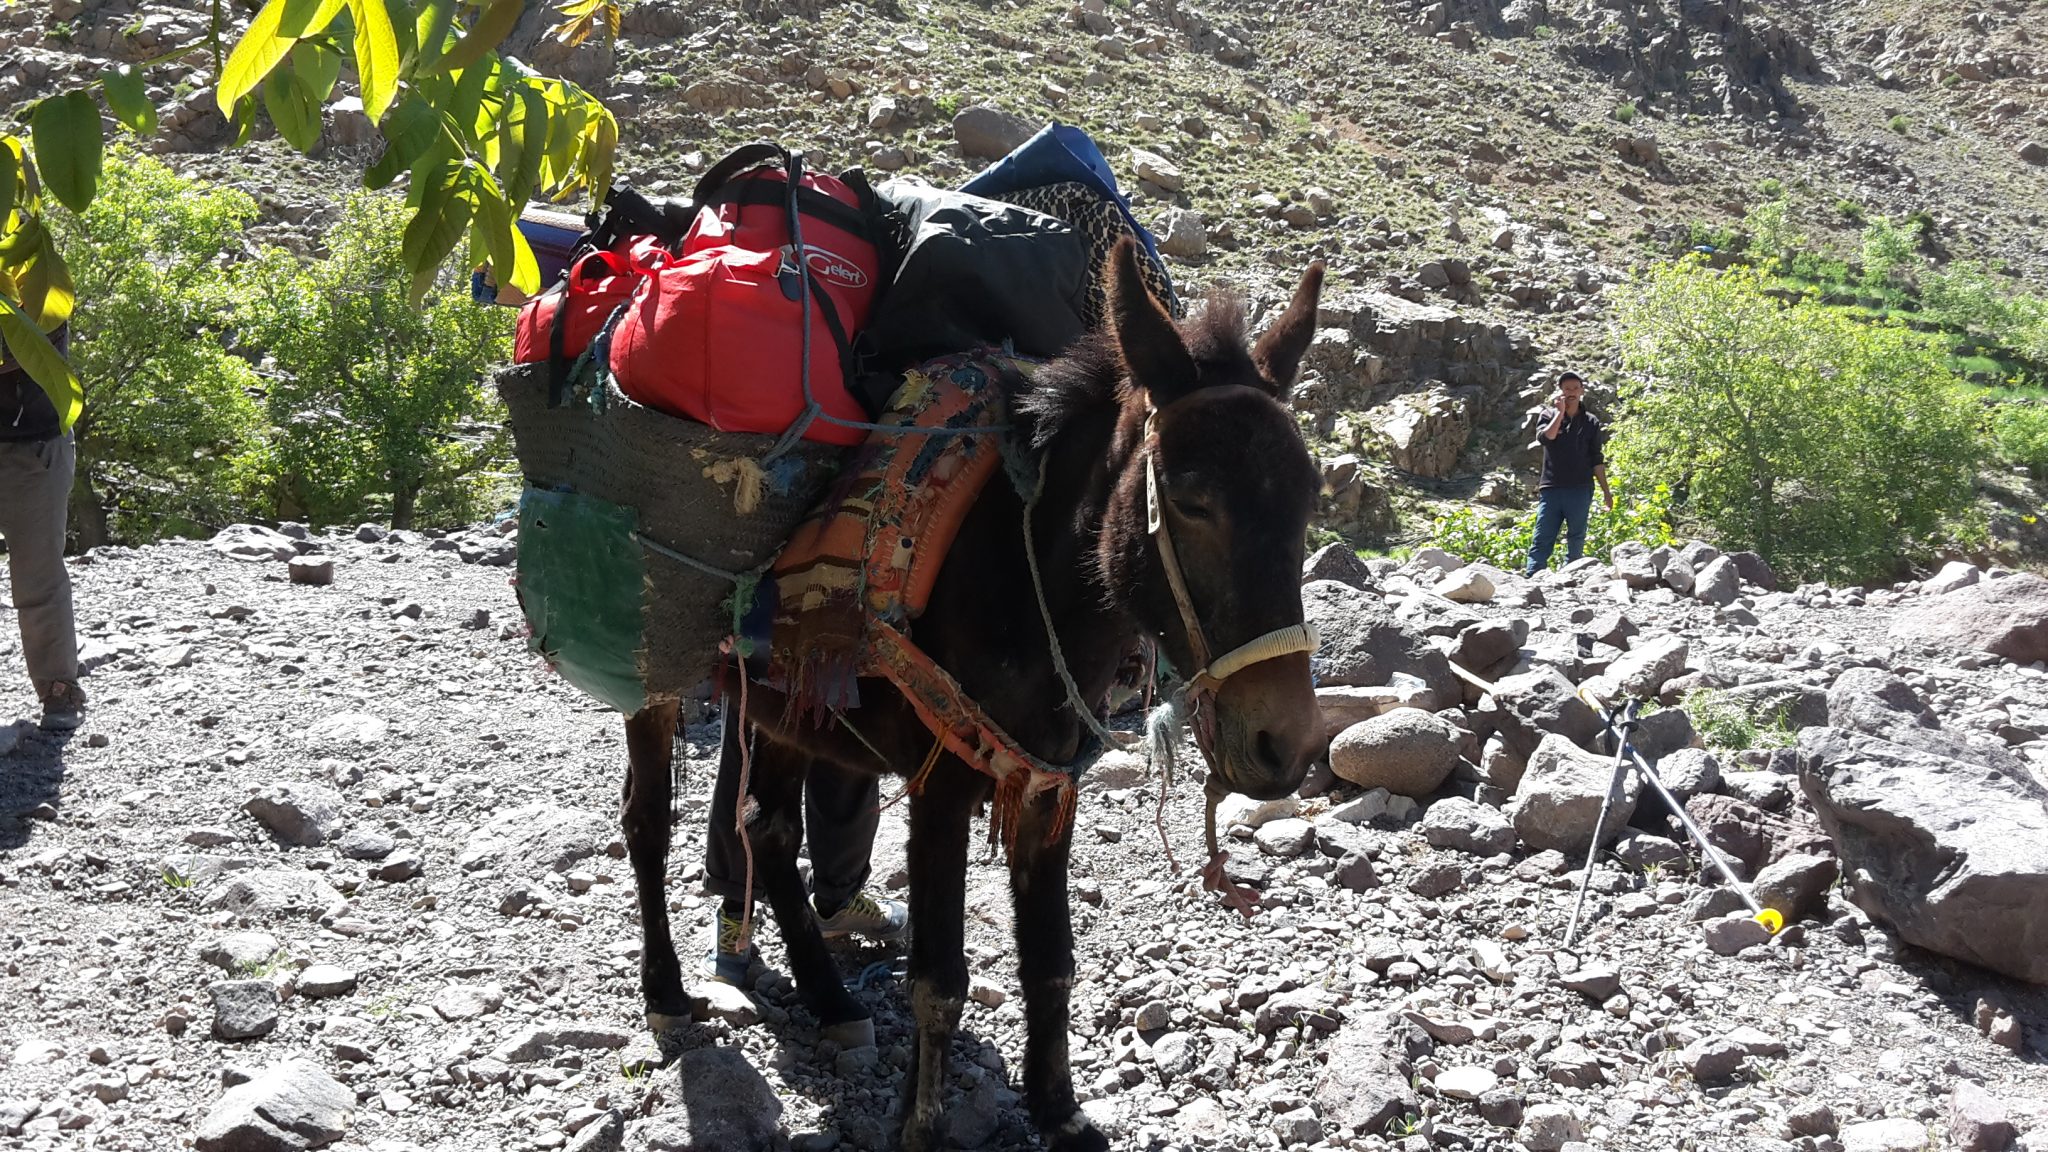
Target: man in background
x: 36, y: 462
x: 1573, y: 460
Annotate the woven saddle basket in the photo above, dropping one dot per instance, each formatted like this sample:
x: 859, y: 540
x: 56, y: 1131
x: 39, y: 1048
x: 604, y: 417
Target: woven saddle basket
x: 640, y: 534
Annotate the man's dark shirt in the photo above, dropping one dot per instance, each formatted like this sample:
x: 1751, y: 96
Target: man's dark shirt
x: 1569, y: 460
x: 25, y: 409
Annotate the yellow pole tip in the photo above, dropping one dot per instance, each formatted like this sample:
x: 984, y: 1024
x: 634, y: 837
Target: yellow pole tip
x: 1772, y: 920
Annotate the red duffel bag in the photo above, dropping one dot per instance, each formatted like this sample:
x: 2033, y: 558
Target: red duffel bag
x: 556, y: 326
x: 717, y: 334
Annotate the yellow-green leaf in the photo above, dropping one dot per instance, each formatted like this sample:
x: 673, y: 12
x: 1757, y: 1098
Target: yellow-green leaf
x: 318, y: 66
x: 244, y: 120
x: 430, y: 32
x: 412, y: 129
x: 440, y: 225
x: 497, y: 225
x: 470, y: 85
x: 292, y: 108
x: 43, y: 284
x: 262, y: 45
x: 10, y: 175
x: 26, y: 345
x: 376, y: 56
x: 128, y: 99
x: 303, y: 18
x: 600, y: 144
x: 427, y: 235
x: 520, y: 144
x: 492, y: 25
x: 69, y: 144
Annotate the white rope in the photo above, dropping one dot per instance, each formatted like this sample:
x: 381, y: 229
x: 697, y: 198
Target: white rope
x: 1279, y: 642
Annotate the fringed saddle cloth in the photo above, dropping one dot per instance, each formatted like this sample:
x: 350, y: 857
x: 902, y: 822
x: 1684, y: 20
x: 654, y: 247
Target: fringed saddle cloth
x: 860, y: 568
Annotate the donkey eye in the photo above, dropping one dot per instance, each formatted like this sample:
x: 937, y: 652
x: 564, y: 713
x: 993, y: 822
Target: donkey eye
x: 1193, y: 511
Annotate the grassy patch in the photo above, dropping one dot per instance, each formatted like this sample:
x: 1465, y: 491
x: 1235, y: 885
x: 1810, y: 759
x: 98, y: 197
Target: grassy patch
x: 1727, y: 725
x: 1625, y: 111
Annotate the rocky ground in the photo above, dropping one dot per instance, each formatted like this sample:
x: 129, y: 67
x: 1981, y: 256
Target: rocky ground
x: 336, y: 863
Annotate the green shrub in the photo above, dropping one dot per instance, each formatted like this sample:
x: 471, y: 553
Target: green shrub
x: 1888, y: 252
x: 1642, y: 514
x: 1901, y: 124
x: 1849, y: 209
x: 1971, y: 300
x: 1832, y: 445
x: 378, y: 406
x: 1724, y: 724
x: 1770, y: 187
x: 169, y: 414
x: 2021, y: 433
x: 1772, y: 237
x: 1625, y: 111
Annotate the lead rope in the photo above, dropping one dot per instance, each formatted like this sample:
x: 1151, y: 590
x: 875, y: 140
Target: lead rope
x: 1059, y: 662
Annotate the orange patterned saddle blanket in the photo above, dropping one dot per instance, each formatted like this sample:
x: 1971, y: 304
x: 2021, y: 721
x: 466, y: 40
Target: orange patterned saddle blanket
x: 871, y: 551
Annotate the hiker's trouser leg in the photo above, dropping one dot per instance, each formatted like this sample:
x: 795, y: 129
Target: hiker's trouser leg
x: 1578, y: 510
x: 35, y: 487
x: 1549, y: 518
x: 842, y: 810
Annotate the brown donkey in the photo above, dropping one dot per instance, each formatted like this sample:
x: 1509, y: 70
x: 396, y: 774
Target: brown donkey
x: 1233, y: 489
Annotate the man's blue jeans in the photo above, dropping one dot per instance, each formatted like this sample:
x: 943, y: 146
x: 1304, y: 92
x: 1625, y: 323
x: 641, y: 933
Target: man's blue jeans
x: 1560, y: 508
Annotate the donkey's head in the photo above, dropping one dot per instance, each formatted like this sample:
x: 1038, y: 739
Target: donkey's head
x: 1204, y: 536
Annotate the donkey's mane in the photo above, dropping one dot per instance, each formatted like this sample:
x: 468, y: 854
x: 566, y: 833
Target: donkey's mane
x: 1090, y: 379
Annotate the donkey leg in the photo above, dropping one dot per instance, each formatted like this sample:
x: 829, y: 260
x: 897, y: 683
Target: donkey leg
x: 776, y: 831
x: 1045, y: 967
x: 644, y: 812
x: 938, y: 961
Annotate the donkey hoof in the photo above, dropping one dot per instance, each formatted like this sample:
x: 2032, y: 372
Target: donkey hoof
x: 664, y: 1022
x: 850, y: 1034
x: 1078, y: 1134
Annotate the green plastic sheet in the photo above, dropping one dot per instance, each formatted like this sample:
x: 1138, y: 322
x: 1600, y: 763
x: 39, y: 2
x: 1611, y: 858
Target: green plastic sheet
x: 581, y: 582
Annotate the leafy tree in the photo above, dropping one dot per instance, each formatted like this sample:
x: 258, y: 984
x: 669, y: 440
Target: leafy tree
x: 168, y: 410
x: 2021, y: 433
x: 1969, y: 299
x: 374, y: 395
x: 1828, y: 444
x: 475, y: 134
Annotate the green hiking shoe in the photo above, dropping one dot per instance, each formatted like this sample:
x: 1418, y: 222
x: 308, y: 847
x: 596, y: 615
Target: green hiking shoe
x: 865, y: 915
x: 727, y: 962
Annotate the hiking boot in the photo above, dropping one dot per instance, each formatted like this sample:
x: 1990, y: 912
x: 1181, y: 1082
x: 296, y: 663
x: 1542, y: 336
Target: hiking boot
x: 63, y: 707
x: 866, y: 916
x: 727, y: 962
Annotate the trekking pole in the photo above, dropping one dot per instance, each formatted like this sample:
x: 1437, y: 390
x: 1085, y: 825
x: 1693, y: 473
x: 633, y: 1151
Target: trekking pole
x: 1600, y: 824
x: 1770, y: 918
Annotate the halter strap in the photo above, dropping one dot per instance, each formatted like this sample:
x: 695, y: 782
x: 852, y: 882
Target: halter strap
x: 1212, y: 673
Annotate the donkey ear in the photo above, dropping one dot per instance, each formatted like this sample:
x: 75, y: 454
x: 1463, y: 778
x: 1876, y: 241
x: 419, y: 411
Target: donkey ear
x: 1278, y: 353
x: 1151, y: 347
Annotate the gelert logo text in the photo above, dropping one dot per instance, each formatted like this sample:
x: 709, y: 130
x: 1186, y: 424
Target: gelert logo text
x: 835, y: 269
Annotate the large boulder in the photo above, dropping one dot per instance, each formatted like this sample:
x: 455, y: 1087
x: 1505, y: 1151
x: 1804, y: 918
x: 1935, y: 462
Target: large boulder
x: 1631, y: 562
x: 1455, y: 822
x: 2006, y: 617
x: 284, y: 1108
x: 1537, y: 704
x: 1641, y: 671
x: 1951, y: 853
x: 986, y: 133
x: 1718, y: 583
x: 1876, y: 703
x: 1337, y: 562
x: 1408, y: 752
x: 1754, y: 569
x: 1344, y: 706
x: 1487, y: 643
x: 297, y: 813
x: 535, y: 838
x: 1363, y: 644
x: 1558, y: 801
